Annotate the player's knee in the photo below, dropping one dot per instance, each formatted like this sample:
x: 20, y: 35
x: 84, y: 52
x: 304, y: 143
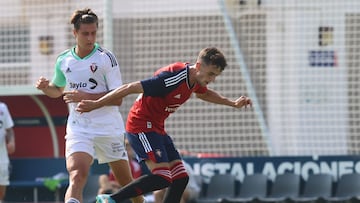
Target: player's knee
x: 184, y: 180
x: 181, y: 177
x: 78, y: 178
x: 178, y: 171
x: 181, y: 181
x: 162, y: 176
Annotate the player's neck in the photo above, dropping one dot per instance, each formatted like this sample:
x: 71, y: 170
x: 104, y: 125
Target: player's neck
x: 192, y: 73
x: 82, y: 52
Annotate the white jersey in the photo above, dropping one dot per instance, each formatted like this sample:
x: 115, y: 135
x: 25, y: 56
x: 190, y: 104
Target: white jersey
x: 6, y: 122
x: 96, y: 73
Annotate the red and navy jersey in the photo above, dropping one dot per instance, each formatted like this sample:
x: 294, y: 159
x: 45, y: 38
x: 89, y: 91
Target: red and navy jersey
x: 166, y: 91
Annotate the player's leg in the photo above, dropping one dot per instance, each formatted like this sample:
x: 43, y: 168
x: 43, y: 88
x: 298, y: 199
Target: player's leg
x: 159, y: 195
x: 79, y: 150
x: 111, y: 149
x: 4, y: 180
x: 104, y: 184
x: 122, y: 172
x: 78, y: 165
x: 2, y: 192
x: 179, y: 176
x: 148, y: 147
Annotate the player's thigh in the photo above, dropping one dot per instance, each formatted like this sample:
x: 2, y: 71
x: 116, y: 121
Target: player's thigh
x: 2, y: 192
x: 148, y: 146
x: 78, y: 164
x: 79, y: 143
x: 171, y: 151
x: 151, y: 165
x: 79, y: 154
x: 4, y: 174
x: 122, y: 171
x: 4, y: 179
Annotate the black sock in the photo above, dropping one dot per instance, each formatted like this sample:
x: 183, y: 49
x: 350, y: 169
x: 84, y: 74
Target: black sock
x: 175, y: 190
x: 142, y: 185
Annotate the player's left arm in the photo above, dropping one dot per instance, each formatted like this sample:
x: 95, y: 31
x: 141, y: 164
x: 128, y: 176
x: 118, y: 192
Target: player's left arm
x: 216, y: 98
x: 118, y: 93
x: 77, y: 96
x: 10, y: 140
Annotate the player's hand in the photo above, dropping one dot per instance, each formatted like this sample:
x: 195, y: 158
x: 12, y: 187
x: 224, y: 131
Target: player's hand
x: 42, y: 83
x: 243, y: 101
x: 74, y: 96
x: 86, y: 106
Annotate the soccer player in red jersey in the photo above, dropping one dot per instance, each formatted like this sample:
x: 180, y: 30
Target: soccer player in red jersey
x: 160, y: 95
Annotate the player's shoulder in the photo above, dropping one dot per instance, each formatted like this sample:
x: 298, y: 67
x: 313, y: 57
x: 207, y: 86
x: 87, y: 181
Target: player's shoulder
x: 174, y: 67
x: 107, y: 55
x: 3, y: 105
x: 64, y: 52
x: 177, y: 66
x: 63, y: 55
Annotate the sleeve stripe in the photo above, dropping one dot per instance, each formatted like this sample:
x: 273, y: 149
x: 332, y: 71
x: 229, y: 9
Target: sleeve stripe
x: 112, y: 59
x: 175, y: 79
x: 111, y: 56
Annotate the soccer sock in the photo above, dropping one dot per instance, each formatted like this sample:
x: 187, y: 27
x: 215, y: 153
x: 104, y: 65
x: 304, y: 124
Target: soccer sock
x: 159, y: 179
x: 180, y: 180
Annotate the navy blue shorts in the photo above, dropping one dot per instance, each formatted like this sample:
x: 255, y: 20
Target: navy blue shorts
x: 153, y: 146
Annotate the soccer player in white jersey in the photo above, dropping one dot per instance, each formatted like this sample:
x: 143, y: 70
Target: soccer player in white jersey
x: 7, y: 146
x: 87, y: 71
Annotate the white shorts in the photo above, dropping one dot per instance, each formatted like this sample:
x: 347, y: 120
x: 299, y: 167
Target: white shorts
x: 4, y: 174
x: 104, y: 148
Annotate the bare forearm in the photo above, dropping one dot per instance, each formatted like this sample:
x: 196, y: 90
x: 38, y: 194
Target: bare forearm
x: 10, y: 140
x: 52, y: 91
x: 77, y: 96
x: 216, y: 98
x: 119, y: 93
x: 116, y: 95
x: 115, y: 102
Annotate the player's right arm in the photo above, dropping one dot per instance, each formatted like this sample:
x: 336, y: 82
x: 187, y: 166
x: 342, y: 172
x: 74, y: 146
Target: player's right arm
x: 117, y: 94
x: 56, y: 87
x: 48, y: 88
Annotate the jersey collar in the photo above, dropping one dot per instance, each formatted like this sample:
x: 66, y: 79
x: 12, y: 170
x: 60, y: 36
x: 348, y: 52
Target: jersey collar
x: 96, y: 46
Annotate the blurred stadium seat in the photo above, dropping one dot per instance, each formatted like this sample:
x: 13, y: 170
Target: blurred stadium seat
x: 252, y: 187
x: 347, y: 189
x: 317, y: 187
x: 284, y: 187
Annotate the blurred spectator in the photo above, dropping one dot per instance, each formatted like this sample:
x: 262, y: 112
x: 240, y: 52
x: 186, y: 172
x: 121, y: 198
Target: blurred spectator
x: 7, y: 146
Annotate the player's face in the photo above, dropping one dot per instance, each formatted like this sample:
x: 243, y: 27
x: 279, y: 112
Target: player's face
x: 206, y: 74
x: 86, y: 37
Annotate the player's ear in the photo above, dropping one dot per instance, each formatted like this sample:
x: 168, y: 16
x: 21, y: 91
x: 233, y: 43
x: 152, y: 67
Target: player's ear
x: 197, y: 66
x: 74, y: 33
